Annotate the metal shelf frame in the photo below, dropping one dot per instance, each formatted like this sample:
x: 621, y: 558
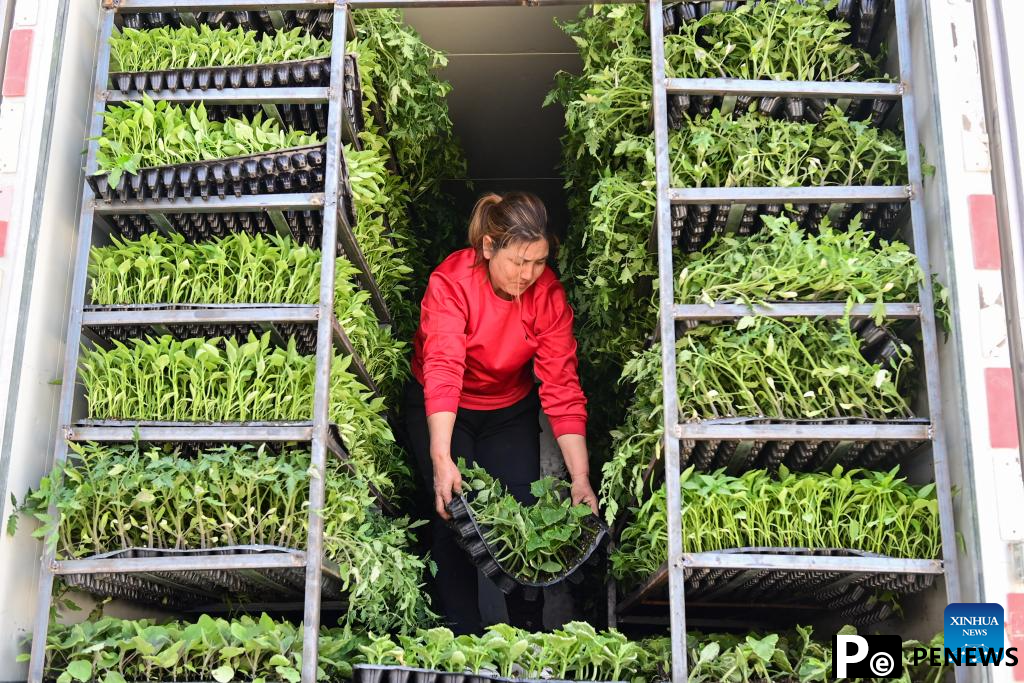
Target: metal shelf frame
x: 670, y: 312
x: 318, y: 431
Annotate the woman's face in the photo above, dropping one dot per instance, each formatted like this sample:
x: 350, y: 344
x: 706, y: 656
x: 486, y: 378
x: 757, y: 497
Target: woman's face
x: 513, y: 268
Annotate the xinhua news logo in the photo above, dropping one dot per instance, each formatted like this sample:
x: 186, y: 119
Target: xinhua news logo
x: 972, y: 634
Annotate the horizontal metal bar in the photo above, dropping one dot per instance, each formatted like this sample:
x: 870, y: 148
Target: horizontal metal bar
x: 201, y: 313
x: 803, y: 432
x: 129, y: 565
x: 362, y: 4
x: 797, y: 195
x: 219, y: 432
x: 767, y: 88
x: 813, y: 563
x: 213, y: 96
x: 214, y: 5
x: 794, y: 309
x: 258, y: 202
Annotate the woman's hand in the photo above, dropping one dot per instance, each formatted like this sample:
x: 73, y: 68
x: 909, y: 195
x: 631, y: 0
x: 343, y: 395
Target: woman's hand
x: 582, y: 493
x: 447, y: 482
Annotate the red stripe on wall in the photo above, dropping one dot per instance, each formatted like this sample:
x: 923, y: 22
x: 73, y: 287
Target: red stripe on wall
x: 3, y: 237
x: 19, y: 56
x: 984, y: 233
x: 1015, y: 628
x: 1002, y: 414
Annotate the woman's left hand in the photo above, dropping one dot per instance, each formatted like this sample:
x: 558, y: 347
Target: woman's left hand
x: 583, y: 493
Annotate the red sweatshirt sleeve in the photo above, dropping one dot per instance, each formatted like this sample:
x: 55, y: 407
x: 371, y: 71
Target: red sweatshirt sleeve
x: 556, y: 366
x: 443, y: 318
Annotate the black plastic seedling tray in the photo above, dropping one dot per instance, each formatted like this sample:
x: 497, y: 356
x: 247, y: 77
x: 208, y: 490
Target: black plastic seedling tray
x: 317, y: 22
x: 470, y: 538
x: 377, y: 673
x: 867, y: 21
x: 297, y: 169
x: 694, y: 225
x: 295, y: 74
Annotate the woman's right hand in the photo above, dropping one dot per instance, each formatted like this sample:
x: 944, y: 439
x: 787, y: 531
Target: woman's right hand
x: 447, y: 482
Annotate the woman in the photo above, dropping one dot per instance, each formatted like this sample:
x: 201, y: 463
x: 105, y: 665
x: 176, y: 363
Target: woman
x: 489, y: 310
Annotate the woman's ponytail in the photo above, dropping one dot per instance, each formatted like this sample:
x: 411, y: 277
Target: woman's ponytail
x: 479, y: 223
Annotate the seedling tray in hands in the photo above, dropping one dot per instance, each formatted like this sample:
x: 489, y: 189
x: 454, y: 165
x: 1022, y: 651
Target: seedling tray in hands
x: 377, y: 673
x: 694, y: 225
x: 470, y: 537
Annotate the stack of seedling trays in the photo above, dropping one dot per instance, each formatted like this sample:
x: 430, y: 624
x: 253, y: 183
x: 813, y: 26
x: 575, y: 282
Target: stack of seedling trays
x: 701, y: 81
x: 471, y: 538
x: 213, y: 194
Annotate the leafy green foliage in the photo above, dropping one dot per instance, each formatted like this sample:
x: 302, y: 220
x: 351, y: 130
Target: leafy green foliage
x: 383, y: 232
x: 575, y: 652
x: 783, y: 262
x: 399, y: 75
x: 211, y: 380
x: 790, y: 368
x: 790, y: 657
x: 187, y: 47
x: 786, y: 40
x: 109, y: 650
x: 753, y: 150
x: 243, y: 269
x: 533, y: 542
x: 760, y: 367
x: 147, y: 133
x: 114, y: 497
x: 858, y: 510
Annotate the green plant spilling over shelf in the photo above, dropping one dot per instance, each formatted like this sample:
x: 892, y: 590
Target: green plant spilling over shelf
x: 399, y: 76
x: 243, y: 269
x: 759, y: 367
x: 111, y: 498
x: 147, y: 133
x: 533, y: 542
x: 576, y: 652
x: 875, y: 512
x: 214, y: 380
x: 109, y: 650
x: 388, y: 251
x: 754, y: 150
x: 784, y: 263
x: 787, y: 40
x: 187, y: 47
x: 606, y: 261
x: 789, y: 657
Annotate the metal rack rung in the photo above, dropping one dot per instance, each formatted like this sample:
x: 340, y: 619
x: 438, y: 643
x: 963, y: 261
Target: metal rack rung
x: 804, y: 432
x: 213, y: 96
x: 257, y: 202
x: 857, y: 194
x: 769, y: 88
x: 809, y: 309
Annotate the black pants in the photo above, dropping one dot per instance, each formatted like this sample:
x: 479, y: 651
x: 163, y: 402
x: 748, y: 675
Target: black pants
x: 506, y: 443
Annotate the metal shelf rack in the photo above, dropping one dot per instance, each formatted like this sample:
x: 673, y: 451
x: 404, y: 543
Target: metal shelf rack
x: 315, y: 218
x: 679, y: 582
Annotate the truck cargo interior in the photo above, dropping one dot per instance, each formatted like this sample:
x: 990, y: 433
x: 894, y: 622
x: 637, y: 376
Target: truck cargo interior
x: 776, y: 303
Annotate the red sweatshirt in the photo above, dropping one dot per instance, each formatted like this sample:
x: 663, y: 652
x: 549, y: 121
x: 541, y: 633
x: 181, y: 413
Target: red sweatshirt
x: 473, y: 348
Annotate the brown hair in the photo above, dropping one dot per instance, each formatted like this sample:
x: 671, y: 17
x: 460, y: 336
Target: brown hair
x: 508, y: 218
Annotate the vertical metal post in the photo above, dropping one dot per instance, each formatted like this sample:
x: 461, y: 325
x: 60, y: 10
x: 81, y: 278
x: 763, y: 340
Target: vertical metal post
x: 1007, y: 181
x: 324, y: 348
x: 74, y: 336
x: 666, y: 294
x: 929, y: 333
